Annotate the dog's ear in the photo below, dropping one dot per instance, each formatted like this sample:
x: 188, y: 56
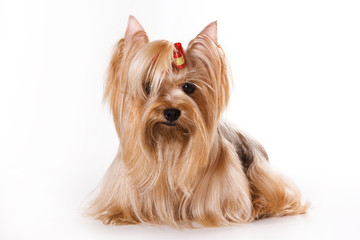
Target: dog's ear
x: 116, y: 81
x: 133, y: 27
x: 210, y: 31
x: 207, y: 56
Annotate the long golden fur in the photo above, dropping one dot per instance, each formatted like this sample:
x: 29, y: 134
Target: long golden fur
x: 197, y: 171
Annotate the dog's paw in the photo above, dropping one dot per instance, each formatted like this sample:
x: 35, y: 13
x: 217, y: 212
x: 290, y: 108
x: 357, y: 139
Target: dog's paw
x: 118, y: 219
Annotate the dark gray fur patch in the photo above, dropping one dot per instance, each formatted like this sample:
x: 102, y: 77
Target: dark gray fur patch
x: 245, y: 147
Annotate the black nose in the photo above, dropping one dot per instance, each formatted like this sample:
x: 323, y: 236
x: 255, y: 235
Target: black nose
x: 171, y: 114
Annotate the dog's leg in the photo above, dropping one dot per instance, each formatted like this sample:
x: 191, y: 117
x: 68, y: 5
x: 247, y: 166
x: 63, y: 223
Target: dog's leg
x: 272, y: 193
x: 222, y: 194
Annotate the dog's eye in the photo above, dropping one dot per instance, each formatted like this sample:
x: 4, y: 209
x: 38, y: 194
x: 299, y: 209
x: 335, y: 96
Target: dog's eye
x: 147, y: 87
x: 188, y: 88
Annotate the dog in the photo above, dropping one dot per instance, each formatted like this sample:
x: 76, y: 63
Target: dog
x: 178, y: 163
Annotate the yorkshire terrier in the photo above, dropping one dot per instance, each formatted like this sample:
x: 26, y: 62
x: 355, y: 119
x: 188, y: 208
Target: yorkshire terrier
x: 178, y: 164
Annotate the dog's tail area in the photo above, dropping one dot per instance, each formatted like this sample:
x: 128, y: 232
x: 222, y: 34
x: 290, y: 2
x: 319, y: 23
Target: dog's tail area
x: 272, y: 193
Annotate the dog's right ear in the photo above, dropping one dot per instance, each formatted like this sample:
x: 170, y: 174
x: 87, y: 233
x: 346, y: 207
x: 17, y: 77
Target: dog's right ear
x: 133, y: 27
x: 116, y: 83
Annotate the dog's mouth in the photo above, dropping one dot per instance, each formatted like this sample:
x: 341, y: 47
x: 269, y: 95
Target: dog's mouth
x: 174, y: 126
x: 171, y: 124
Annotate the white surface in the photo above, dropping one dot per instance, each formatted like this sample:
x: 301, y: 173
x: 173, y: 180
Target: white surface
x: 296, y: 68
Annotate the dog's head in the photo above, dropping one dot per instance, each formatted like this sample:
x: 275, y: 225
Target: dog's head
x: 157, y: 105
x: 147, y: 91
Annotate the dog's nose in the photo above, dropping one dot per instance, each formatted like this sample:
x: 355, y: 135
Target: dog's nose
x: 171, y: 114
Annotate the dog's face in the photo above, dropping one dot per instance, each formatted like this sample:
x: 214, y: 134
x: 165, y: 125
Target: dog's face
x: 171, y: 104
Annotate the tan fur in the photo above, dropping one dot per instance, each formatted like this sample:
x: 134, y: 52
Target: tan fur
x: 196, y: 171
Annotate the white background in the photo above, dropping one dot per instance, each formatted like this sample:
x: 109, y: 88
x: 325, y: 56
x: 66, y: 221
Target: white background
x: 296, y: 67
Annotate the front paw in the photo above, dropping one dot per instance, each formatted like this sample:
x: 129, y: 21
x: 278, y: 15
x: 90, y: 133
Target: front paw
x: 118, y: 219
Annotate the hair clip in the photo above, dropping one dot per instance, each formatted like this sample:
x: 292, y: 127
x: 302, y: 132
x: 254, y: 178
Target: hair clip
x: 179, y: 57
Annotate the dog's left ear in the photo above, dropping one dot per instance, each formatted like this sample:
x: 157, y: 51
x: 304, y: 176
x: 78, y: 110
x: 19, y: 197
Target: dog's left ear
x: 210, y: 31
x: 206, y: 54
